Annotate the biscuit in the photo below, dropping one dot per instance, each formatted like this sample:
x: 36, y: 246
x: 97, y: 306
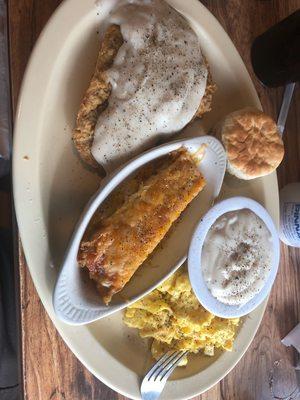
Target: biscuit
x: 252, y: 142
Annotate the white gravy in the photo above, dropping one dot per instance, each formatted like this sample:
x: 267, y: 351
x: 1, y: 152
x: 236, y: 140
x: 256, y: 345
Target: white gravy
x: 236, y: 257
x: 158, y: 79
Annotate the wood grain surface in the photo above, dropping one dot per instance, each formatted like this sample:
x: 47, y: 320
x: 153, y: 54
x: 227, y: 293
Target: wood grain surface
x: 50, y: 370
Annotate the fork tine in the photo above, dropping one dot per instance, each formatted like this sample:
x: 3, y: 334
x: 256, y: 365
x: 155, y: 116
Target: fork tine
x: 165, y: 364
x: 167, y: 371
x: 162, y: 359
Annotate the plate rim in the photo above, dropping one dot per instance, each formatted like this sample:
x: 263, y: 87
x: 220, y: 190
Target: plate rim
x: 64, y: 8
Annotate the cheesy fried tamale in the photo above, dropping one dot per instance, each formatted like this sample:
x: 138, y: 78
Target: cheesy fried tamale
x: 115, y: 248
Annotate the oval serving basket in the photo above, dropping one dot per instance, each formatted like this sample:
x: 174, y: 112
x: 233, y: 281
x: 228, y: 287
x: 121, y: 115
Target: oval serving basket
x: 75, y: 298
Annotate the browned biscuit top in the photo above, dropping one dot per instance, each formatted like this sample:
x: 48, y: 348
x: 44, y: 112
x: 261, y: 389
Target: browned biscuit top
x: 252, y: 141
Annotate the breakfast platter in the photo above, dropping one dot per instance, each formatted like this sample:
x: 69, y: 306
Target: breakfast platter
x: 59, y: 186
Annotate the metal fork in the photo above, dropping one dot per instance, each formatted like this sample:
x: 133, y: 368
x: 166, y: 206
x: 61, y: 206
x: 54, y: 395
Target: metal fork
x: 155, y: 380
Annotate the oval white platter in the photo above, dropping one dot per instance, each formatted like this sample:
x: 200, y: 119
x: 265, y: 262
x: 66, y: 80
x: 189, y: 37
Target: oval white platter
x: 51, y: 186
x: 76, y: 300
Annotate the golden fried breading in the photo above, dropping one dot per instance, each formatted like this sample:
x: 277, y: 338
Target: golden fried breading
x: 95, y: 98
x: 98, y: 92
x: 205, y: 105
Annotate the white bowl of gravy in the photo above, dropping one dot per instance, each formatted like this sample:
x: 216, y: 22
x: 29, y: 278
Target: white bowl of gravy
x: 233, y: 257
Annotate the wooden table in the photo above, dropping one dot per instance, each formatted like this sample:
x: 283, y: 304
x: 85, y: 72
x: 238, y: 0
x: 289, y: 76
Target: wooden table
x: 50, y: 371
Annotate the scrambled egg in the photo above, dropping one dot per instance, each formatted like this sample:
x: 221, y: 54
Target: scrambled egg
x: 174, y: 318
